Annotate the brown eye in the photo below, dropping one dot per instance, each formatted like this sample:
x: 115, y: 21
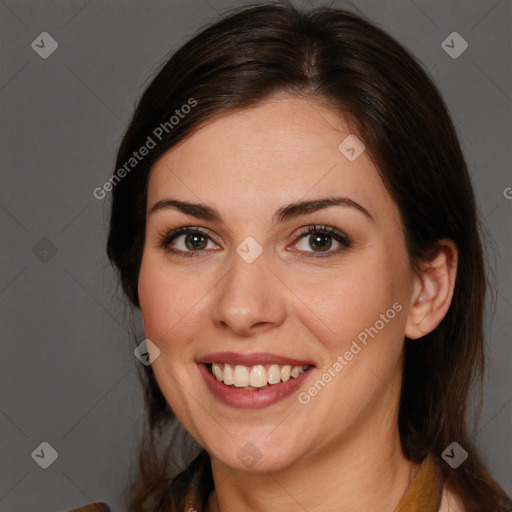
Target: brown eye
x: 195, y: 241
x: 186, y: 241
x: 321, y: 239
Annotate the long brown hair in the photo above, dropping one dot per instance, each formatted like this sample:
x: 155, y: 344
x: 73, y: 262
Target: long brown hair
x: 347, y: 63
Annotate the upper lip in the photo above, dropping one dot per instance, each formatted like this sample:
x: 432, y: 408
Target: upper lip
x: 258, y: 358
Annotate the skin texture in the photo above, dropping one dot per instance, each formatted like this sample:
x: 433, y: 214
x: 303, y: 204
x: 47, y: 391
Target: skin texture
x: 340, y: 451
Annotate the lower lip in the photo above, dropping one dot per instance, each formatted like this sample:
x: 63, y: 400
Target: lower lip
x: 251, y: 399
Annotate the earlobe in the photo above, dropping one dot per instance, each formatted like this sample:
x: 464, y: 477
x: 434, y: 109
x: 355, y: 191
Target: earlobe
x: 433, y: 291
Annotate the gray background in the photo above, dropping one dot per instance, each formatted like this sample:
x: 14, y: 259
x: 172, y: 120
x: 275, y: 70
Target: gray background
x: 68, y: 373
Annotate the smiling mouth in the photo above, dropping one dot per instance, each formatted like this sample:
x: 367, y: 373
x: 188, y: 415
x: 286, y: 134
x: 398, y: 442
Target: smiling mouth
x: 255, y: 377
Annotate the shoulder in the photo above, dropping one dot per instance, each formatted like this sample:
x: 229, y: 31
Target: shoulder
x: 92, y: 507
x: 450, y: 502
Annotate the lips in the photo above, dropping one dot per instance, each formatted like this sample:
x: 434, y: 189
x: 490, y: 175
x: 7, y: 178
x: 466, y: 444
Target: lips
x: 250, y: 397
x: 259, y: 358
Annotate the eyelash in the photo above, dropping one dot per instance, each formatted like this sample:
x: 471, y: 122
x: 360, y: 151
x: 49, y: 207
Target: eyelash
x: 339, y: 236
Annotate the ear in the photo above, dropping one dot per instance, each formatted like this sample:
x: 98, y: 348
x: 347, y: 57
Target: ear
x: 433, y: 291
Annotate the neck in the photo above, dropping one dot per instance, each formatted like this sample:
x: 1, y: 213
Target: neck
x: 365, y: 470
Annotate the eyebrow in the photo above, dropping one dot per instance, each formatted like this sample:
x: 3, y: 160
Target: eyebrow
x: 205, y: 212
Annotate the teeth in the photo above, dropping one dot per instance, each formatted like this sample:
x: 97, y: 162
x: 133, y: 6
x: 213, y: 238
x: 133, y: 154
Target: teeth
x: 217, y: 371
x: 274, y: 374
x: 241, y: 378
x: 227, y: 375
x: 256, y: 376
x: 285, y: 373
x: 295, y: 371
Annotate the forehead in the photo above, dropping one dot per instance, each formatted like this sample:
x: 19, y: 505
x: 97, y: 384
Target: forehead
x: 281, y: 150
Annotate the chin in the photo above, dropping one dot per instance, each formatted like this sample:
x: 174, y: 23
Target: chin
x: 260, y: 455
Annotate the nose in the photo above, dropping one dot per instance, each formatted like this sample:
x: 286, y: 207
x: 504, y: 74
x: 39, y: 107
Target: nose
x: 250, y: 299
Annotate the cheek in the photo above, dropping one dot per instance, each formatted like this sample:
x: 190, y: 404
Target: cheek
x: 170, y: 304
x: 153, y: 299
x: 364, y: 299
x: 346, y: 301
x: 170, y: 313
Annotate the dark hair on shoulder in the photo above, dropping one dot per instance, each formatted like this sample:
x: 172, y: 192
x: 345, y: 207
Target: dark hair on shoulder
x: 342, y: 60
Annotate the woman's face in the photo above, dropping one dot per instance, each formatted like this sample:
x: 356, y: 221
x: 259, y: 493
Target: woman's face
x: 250, y: 287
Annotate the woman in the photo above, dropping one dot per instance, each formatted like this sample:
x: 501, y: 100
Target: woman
x: 293, y: 216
